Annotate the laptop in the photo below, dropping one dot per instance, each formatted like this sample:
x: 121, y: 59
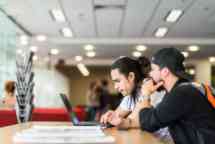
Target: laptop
x: 73, y: 116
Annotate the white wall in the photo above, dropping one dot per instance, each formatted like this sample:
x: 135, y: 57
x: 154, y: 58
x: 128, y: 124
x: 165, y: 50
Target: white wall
x: 48, y: 85
x: 202, y: 70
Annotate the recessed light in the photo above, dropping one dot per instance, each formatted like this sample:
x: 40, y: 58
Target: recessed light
x: 35, y: 58
x: 91, y: 54
x: 89, y: 47
x: 136, y: 54
x: 66, y: 32
x: 54, y: 51
x: 193, y: 48
x: 58, y: 15
x: 78, y: 58
x: 211, y: 59
x: 186, y: 54
x: 41, y: 38
x: 191, y: 71
x: 141, y: 48
x: 24, y: 40
x: 174, y: 15
x: 34, y: 48
x: 23, y: 37
x: 19, y: 51
x: 161, y: 32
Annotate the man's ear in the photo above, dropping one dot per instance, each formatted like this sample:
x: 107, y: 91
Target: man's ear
x: 165, y: 71
x: 131, y: 76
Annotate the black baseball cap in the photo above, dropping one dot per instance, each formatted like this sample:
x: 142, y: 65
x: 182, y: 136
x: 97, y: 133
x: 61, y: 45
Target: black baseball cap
x: 173, y: 59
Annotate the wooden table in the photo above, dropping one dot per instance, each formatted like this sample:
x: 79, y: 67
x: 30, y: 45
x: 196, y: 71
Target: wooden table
x: 134, y: 136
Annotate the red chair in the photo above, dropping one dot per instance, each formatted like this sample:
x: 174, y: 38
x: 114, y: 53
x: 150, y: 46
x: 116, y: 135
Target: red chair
x: 80, y: 112
x: 50, y: 114
x: 7, y: 117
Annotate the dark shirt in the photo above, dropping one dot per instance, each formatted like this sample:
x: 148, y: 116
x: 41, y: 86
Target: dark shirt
x: 104, y: 98
x: 187, y: 113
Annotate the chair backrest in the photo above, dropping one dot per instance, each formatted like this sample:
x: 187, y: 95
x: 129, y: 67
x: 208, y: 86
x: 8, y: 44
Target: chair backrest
x: 7, y: 117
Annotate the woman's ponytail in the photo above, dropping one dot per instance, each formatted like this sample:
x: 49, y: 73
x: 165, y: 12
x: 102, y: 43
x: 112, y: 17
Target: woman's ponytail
x: 144, y: 66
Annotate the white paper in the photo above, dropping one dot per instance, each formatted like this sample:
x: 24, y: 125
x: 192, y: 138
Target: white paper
x: 47, y: 140
x: 63, y: 134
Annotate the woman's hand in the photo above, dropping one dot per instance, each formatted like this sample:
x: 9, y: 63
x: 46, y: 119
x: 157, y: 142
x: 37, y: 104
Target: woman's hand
x: 115, y: 119
x: 105, y: 117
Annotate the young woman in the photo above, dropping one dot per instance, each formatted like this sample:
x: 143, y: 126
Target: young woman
x: 127, y: 75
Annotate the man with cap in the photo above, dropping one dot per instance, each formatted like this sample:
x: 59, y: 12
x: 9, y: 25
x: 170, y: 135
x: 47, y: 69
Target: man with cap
x: 184, y: 109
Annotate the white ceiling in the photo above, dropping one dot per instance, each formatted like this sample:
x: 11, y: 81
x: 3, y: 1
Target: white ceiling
x: 116, y: 26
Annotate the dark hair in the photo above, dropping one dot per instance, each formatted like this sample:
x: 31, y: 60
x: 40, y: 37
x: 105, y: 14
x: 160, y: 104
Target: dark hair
x: 139, y: 67
x: 173, y: 59
x: 10, y: 86
x: 104, y: 82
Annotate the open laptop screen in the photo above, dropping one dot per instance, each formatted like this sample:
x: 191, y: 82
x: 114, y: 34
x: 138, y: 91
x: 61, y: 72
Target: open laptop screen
x: 73, y: 116
x: 68, y: 106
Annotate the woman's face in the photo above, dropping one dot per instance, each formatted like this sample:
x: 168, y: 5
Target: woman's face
x: 122, y: 84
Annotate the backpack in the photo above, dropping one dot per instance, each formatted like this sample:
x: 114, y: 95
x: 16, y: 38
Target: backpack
x: 209, y: 93
x: 206, y: 90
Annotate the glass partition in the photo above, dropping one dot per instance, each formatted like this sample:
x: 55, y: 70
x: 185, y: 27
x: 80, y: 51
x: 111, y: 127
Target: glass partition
x: 7, y: 48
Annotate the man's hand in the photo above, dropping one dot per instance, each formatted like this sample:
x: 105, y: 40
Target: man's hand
x: 148, y: 87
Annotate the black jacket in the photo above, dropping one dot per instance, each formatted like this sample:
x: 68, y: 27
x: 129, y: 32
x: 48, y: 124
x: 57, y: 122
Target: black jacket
x: 187, y: 113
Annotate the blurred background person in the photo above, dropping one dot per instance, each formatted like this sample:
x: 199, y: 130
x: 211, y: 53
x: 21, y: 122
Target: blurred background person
x: 105, y: 96
x: 93, y: 102
x: 9, y: 98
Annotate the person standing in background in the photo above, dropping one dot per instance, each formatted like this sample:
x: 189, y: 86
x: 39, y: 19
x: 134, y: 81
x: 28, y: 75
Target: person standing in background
x: 9, y: 98
x: 93, y: 102
x: 105, y: 96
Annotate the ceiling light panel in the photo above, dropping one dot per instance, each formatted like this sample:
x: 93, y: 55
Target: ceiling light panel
x: 141, y: 48
x: 186, y: 54
x: 136, y: 54
x: 78, y: 58
x: 54, y: 51
x: 91, y: 54
x: 89, y: 47
x: 174, y: 15
x: 83, y: 69
x: 66, y: 32
x: 58, y: 15
x: 41, y: 38
x: 161, y: 32
x: 193, y: 48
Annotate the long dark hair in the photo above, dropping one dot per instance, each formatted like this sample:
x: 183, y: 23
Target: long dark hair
x: 140, y: 67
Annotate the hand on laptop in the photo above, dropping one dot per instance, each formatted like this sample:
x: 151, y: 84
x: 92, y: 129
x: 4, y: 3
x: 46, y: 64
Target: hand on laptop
x: 105, y: 117
x: 112, y: 118
x: 115, y: 119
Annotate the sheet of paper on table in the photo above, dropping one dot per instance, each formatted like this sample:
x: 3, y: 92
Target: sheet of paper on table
x: 63, y: 134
